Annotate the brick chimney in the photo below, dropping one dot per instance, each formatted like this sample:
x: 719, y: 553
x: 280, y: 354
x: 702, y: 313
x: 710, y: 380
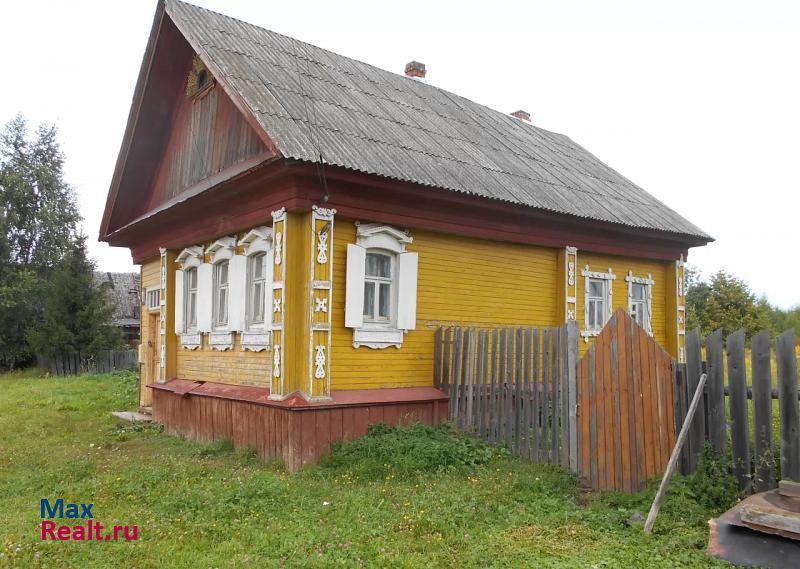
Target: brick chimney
x: 522, y: 115
x: 415, y: 69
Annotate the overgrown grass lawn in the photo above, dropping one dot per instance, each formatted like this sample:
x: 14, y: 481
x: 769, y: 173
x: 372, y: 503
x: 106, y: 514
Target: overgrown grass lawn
x: 210, y: 506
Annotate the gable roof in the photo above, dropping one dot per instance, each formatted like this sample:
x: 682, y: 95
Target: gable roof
x: 311, y: 102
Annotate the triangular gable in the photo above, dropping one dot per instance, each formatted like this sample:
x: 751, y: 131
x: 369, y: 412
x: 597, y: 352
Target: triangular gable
x: 175, y: 137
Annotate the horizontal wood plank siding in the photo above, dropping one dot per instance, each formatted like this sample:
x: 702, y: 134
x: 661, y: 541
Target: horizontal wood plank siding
x: 460, y: 280
x: 233, y: 366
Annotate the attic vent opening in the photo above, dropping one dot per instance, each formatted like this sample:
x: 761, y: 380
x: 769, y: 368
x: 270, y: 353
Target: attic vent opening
x: 200, y: 80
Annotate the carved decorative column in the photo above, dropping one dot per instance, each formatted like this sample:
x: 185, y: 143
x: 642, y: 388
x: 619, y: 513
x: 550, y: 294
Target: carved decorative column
x: 279, y: 225
x: 321, y: 279
x: 680, y: 300
x: 570, y: 284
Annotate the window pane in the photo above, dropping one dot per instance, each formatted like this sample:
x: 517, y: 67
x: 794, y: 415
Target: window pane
x: 637, y: 291
x: 596, y: 289
x: 191, y: 280
x: 592, y: 322
x: 192, y: 312
x: 258, y: 271
x: 369, y: 300
x: 258, y: 302
x: 384, y: 300
x: 222, y: 309
x: 222, y: 273
x: 378, y: 265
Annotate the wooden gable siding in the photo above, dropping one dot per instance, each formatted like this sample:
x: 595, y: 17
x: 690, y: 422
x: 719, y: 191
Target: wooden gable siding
x: 460, y: 280
x: 621, y: 266
x: 208, y: 134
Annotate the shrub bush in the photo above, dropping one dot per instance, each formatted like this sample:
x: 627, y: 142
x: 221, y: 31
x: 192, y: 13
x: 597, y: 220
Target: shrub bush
x: 409, y: 451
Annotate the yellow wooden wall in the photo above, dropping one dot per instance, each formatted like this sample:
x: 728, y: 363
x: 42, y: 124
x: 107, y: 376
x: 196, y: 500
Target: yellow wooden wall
x: 460, y: 280
x: 621, y: 266
x: 234, y: 366
x: 150, y: 274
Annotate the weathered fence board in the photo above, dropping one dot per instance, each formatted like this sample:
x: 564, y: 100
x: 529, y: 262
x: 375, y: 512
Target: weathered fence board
x: 104, y: 362
x: 716, y: 392
x: 694, y: 368
x: 753, y: 470
x: 787, y: 403
x: 513, y: 387
x: 740, y: 429
x: 762, y: 410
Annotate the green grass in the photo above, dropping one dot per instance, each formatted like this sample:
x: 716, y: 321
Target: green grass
x: 376, y: 503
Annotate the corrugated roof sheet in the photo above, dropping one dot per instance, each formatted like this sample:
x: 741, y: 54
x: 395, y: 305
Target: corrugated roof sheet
x: 311, y: 101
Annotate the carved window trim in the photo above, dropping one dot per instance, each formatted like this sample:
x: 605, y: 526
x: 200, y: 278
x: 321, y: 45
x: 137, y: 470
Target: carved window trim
x: 647, y: 302
x: 607, y: 278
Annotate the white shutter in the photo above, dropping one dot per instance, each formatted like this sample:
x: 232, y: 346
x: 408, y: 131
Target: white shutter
x: 354, y: 295
x: 179, y: 302
x: 205, y: 284
x: 407, y: 290
x: 237, y: 285
x: 269, y: 259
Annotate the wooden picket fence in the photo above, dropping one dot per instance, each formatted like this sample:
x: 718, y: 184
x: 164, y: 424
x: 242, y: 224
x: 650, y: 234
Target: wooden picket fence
x: 104, y: 362
x: 754, y: 454
x: 514, y: 387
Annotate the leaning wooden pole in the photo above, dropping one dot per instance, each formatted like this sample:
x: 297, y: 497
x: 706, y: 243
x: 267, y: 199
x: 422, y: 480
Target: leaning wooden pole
x: 673, y: 459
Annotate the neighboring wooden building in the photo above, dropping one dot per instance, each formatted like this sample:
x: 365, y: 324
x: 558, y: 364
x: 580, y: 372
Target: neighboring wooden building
x: 124, y: 294
x: 304, y: 221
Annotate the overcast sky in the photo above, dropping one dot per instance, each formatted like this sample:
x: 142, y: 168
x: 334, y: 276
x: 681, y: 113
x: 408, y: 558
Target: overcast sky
x: 698, y: 102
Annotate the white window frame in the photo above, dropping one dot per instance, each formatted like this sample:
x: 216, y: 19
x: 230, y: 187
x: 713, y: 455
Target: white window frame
x: 386, y: 240
x: 189, y: 258
x: 647, y: 302
x: 607, y: 278
x: 222, y: 250
x: 391, y: 280
x: 151, y: 293
x: 258, y: 241
x: 217, y: 324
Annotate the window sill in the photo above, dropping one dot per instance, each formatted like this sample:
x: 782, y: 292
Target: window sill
x: 220, y: 341
x: 586, y: 334
x: 377, y: 338
x: 255, y: 340
x: 191, y: 340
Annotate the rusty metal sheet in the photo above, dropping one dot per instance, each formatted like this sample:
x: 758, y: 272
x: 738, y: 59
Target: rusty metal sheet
x: 743, y: 542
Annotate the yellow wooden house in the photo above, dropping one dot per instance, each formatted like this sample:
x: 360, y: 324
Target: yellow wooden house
x: 305, y: 221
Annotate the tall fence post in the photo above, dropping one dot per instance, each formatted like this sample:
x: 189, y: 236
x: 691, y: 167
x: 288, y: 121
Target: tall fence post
x: 572, y: 386
x: 716, y: 392
x: 740, y: 428
x: 694, y: 366
x: 787, y: 403
x: 762, y: 410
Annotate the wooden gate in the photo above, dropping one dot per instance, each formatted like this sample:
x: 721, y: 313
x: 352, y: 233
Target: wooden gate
x: 626, y: 423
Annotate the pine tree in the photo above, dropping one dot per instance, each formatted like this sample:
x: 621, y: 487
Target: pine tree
x: 77, y: 314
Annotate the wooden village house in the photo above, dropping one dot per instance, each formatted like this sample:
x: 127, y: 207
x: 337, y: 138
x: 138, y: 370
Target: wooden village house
x: 305, y: 221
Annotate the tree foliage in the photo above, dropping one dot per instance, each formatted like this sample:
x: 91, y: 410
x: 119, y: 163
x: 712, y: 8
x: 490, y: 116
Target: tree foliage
x: 38, y: 213
x: 77, y: 314
x: 725, y: 301
x: 38, y: 229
